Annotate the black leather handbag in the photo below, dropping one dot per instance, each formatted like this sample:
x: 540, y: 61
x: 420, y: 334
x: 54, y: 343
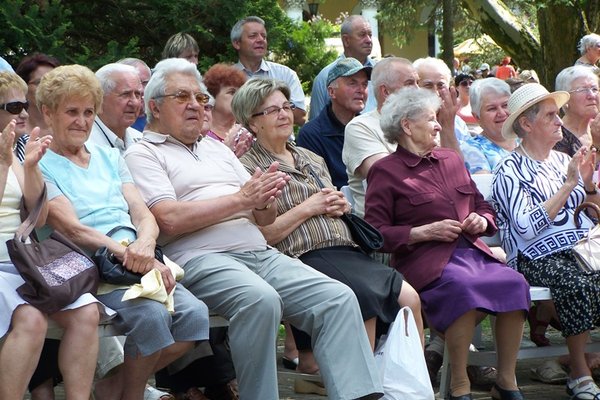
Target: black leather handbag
x: 112, y: 270
x: 363, y: 233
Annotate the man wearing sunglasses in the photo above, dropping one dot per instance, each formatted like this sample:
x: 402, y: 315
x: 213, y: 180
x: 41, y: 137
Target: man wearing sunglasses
x: 120, y: 107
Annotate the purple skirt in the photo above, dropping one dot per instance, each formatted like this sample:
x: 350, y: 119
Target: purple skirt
x: 473, y: 280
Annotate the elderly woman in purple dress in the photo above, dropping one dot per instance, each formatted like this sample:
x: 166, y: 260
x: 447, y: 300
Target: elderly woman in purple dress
x: 431, y: 216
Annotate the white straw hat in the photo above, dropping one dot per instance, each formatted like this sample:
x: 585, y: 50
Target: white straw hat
x: 523, y: 98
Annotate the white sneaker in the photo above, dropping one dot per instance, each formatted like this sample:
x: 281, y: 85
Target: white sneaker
x: 583, y: 388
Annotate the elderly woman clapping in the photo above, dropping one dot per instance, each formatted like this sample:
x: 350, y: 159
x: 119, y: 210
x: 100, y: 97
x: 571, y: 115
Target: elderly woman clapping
x: 308, y: 224
x: 22, y: 326
x: 581, y: 121
x: 431, y: 215
x: 91, y: 192
x: 537, y: 190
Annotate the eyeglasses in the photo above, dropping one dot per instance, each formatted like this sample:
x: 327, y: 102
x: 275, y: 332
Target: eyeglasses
x: 433, y: 85
x: 465, y: 83
x: 15, y: 107
x: 287, y: 107
x: 184, y: 96
x: 593, y: 90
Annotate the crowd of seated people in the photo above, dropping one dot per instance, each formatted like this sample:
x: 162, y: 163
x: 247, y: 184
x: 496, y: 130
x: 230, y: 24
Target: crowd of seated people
x: 250, y: 223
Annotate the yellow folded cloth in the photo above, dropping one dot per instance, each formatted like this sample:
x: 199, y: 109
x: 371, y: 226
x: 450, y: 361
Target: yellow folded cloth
x: 152, y: 286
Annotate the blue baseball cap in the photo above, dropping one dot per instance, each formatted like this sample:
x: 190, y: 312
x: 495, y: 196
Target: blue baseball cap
x: 347, y: 67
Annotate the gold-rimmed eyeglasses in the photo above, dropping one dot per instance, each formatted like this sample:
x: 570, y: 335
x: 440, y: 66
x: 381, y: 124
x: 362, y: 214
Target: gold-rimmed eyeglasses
x: 184, y: 96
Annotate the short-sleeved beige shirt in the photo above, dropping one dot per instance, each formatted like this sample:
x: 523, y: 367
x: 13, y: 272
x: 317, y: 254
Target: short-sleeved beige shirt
x: 165, y: 169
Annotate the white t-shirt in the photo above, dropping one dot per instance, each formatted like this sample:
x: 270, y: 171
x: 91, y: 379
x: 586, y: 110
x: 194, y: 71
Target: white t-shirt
x: 101, y: 135
x: 363, y: 138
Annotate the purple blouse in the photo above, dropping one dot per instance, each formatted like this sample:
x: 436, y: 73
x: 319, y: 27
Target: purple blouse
x: 405, y: 191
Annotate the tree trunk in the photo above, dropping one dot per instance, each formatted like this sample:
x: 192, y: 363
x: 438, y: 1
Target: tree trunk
x: 448, y: 33
x: 506, y: 30
x: 560, y: 28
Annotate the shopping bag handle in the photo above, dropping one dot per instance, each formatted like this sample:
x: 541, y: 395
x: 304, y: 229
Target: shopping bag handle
x: 583, y: 206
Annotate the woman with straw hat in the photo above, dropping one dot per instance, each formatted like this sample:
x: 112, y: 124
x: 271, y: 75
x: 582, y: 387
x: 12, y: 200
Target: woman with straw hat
x: 537, y: 190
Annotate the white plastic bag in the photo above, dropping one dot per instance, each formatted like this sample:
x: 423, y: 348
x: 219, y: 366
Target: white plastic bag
x: 401, y: 361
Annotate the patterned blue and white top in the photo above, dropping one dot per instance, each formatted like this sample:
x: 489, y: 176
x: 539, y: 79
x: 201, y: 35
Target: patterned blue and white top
x: 519, y: 189
x: 481, y: 154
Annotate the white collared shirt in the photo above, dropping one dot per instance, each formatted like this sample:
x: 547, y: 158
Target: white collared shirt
x: 101, y: 135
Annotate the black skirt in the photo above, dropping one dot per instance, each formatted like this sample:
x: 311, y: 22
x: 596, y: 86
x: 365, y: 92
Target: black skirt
x: 376, y: 286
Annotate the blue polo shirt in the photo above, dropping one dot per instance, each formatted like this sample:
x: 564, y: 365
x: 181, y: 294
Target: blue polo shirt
x: 324, y: 136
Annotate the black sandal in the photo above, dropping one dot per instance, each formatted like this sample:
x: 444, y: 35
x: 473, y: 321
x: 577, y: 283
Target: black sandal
x: 289, y: 364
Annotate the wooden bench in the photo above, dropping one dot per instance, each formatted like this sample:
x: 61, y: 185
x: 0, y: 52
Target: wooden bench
x: 107, y: 329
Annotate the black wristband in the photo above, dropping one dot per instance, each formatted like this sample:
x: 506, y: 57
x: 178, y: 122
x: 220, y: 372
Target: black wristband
x: 590, y: 192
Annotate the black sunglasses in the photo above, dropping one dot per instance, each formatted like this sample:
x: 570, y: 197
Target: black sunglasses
x: 15, y: 107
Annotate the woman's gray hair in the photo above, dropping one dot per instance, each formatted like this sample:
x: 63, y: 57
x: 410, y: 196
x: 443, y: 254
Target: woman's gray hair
x: 407, y: 103
x: 565, y: 78
x: 236, y: 31
x: 158, y: 80
x: 106, y: 75
x: 252, y: 94
x: 588, y: 41
x: 482, y: 87
x: 530, y: 115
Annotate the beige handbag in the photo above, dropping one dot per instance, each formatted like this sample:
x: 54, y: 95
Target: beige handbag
x: 587, y: 249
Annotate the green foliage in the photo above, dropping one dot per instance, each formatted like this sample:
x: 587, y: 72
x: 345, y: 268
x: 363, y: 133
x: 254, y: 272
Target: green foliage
x: 95, y: 32
x: 27, y: 27
x: 305, y: 49
x: 401, y: 17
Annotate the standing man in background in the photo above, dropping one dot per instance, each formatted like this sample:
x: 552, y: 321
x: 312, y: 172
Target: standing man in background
x: 358, y: 43
x: 249, y: 38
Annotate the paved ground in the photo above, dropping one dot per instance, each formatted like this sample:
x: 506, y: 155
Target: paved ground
x: 531, y: 389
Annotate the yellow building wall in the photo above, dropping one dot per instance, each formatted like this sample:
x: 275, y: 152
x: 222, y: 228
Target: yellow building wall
x: 417, y: 48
